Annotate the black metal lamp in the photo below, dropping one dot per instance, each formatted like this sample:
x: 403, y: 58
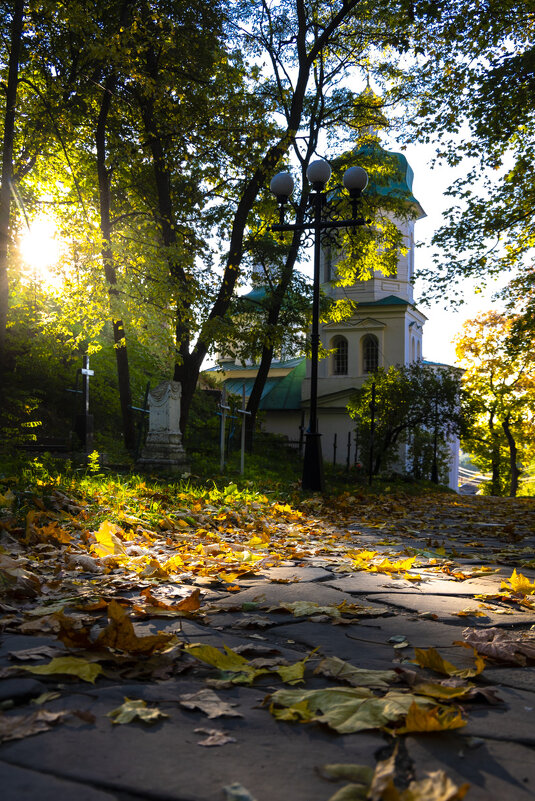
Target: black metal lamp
x: 282, y: 184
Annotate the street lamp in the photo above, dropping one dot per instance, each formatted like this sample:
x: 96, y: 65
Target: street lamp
x: 321, y: 217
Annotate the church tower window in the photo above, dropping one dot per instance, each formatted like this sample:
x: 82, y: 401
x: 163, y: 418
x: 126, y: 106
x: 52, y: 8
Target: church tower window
x: 339, y: 363
x: 370, y: 353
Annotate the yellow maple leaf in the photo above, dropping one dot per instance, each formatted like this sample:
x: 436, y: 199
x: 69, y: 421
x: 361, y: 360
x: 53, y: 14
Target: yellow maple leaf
x: 430, y: 658
x: 133, y: 708
x: 107, y: 540
x: 519, y: 583
x: 437, y: 719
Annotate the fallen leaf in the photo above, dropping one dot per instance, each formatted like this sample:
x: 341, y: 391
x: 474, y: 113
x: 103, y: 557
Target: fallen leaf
x: 107, y: 540
x: 120, y: 634
x: 227, y: 661
x: 34, y: 654
x: 360, y: 774
x: 351, y: 792
x: 15, y: 727
x: 237, y: 792
x: 437, y: 719
x: 209, y: 703
x: 135, y: 709
x: 519, y: 583
x: 336, y: 668
x: 344, y: 709
x: 44, y: 698
x: 67, y: 665
x: 215, y: 737
x: 436, y: 786
x: 430, y: 658
x: 503, y: 646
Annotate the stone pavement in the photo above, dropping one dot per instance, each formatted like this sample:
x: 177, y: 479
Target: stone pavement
x: 86, y: 757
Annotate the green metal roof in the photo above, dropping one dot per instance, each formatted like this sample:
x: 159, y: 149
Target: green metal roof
x: 286, y: 394
x: 235, y: 385
x: 400, y: 184
x: 229, y: 367
x: 390, y: 300
x: 256, y: 295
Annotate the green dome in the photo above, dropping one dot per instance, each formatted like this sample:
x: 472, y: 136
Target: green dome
x: 399, y: 184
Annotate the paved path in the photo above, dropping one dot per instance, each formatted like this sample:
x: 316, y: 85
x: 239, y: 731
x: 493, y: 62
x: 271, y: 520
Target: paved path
x: 88, y: 758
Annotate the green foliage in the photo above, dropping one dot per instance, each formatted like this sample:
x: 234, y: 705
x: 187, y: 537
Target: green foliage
x: 410, y: 405
x: 43, y: 367
x: 473, y: 91
x: 500, y: 392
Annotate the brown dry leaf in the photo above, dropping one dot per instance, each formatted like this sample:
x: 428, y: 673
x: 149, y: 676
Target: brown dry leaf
x: 382, y: 786
x: 215, y: 737
x: 15, y: 727
x: 120, y: 634
x: 435, y: 787
x: 209, y: 703
x: 16, y: 581
x: 34, y: 654
x: 71, y: 632
x: 157, y: 608
x: 503, y: 646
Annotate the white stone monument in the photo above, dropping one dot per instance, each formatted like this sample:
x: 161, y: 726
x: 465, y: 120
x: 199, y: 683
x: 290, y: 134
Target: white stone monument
x: 163, y: 449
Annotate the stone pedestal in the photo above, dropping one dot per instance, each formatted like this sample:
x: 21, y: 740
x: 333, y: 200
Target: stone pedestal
x: 163, y: 449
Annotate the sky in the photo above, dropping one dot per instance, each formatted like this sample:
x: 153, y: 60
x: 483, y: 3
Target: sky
x: 444, y: 322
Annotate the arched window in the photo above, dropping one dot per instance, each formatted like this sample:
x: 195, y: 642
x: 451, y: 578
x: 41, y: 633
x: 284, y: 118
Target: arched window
x: 339, y: 364
x: 370, y: 353
x: 413, y: 350
x: 419, y: 351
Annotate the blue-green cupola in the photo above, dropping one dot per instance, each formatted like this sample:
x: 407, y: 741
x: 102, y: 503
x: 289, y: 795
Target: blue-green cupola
x: 396, y: 181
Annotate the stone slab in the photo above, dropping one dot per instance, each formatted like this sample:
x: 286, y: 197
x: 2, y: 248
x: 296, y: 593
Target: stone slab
x: 22, y: 784
x: 420, y: 632
x: 268, y: 595
x: 447, y: 608
x: 513, y: 721
x: 496, y: 771
x: 273, y: 760
x: 20, y: 689
x: 344, y: 642
x: 361, y: 583
x: 522, y: 678
x: 293, y: 575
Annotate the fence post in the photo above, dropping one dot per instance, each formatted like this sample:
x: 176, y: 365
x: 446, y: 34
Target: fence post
x: 224, y: 409
x: 372, y: 432
x: 334, y: 450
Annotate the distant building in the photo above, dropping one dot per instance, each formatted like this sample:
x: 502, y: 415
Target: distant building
x: 385, y: 330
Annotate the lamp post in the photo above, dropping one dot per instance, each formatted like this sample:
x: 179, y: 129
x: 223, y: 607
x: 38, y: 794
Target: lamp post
x: 320, y: 218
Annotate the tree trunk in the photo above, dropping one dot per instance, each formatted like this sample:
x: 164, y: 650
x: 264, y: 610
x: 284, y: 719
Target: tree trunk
x: 515, y: 472
x: 495, y: 486
x: 7, y: 169
x: 187, y: 370
x: 121, y: 353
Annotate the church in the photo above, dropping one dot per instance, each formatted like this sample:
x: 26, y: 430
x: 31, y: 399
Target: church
x: 385, y: 329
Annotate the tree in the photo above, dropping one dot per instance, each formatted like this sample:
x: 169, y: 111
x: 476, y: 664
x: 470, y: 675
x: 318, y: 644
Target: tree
x: 472, y: 84
x: 405, y: 405
x: 500, y: 386
x: 15, y: 42
x: 299, y: 39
